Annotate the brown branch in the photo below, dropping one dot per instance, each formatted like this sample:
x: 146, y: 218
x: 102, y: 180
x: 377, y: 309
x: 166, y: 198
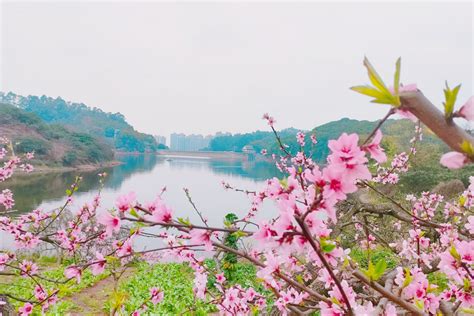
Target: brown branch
x: 397, y: 300
x: 434, y: 119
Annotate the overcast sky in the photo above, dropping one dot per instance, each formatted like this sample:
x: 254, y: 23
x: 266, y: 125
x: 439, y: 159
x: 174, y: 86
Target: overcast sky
x: 208, y: 67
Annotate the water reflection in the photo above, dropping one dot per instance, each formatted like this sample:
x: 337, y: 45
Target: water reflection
x: 40, y: 189
x: 147, y: 175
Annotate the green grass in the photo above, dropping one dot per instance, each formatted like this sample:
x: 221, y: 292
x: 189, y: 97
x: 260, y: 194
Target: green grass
x: 22, y: 287
x: 176, y: 280
x: 361, y: 257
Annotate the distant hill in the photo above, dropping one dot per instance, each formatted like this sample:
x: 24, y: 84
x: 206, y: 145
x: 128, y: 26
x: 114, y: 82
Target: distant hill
x: 53, y: 144
x: 79, y: 117
x: 426, y: 171
x: 258, y: 139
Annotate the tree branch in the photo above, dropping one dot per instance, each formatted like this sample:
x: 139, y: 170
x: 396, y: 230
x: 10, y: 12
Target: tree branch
x: 434, y: 119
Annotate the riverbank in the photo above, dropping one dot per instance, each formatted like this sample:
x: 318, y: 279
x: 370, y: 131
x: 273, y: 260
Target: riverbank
x: 86, y: 167
x: 218, y: 155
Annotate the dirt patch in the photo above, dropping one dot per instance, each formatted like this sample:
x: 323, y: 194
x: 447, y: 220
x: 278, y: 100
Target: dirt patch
x: 91, y: 301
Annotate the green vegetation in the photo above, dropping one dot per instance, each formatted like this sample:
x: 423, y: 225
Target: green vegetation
x: 426, y: 172
x: 111, y: 127
x: 176, y: 280
x: 376, y: 255
x: 258, y: 139
x: 17, y: 286
x: 53, y: 144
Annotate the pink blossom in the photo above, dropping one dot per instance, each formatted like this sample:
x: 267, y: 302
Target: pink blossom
x: 98, y: 267
x: 125, y: 249
x: 25, y: 310
x: 470, y: 224
x: 467, y: 110
x: 73, y: 272
x: 406, y: 114
x: 220, y: 278
x: 201, y: 237
x: 6, y: 199
x: 200, y: 282
x: 454, y: 160
x: 345, y: 148
x: 390, y: 310
x: 28, y: 268
x: 411, y: 87
x: 160, y: 213
x: 270, y: 120
x: 125, y: 202
x: 374, y: 148
x: 337, y: 186
x: 300, y: 136
x: 111, y: 223
x: 156, y: 295
x: 347, y: 156
x: 40, y: 293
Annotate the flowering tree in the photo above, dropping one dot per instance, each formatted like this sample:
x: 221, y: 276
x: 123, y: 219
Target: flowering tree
x: 299, y: 255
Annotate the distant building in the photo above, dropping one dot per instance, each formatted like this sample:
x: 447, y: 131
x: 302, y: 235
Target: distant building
x: 193, y: 142
x: 248, y: 149
x: 160, y: 139
x: 177, y: 142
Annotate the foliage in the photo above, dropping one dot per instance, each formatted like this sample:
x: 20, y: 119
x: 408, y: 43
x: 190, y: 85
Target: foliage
x: 110, y: 127
x: 51, y: 143
x: 18, y: 285
x: 175, y: 279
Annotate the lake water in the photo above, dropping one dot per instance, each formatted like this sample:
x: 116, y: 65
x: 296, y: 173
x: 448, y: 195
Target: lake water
x: 146, y: 175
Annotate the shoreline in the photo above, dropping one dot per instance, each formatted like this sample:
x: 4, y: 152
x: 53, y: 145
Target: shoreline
x: 88, y: 167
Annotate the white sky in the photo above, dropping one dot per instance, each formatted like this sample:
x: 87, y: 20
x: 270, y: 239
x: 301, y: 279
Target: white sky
x: 208, y: 67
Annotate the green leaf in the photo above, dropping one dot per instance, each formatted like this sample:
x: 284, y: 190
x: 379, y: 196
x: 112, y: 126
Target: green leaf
x: 385, y: 100
x: 368, y: 91
x: 134, y: 213
x: 326, y: 246
x: 467, y: 148
x: 375, y: 78
x: 454, y: 253
x: 380, y: 268
x: 408, y: 278
x: 450, y: 98
x: 467, y: 285
x: 284, y: 183
x: 370, y: 272
x: 396, y: 80
x: 379, y: 91
x: 184, y: 221
x: 239, y: 234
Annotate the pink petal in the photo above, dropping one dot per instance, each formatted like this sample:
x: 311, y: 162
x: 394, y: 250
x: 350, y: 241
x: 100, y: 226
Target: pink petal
x: 412, y: 87
x: 467, y: 110
x: 407, y: 114
x: 453, y: 160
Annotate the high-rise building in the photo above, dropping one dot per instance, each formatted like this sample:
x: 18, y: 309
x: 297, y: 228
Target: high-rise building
x: 160, y: 139
x: 193, y: 142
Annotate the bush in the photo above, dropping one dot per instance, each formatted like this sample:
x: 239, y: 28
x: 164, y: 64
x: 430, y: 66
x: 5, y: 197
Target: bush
x: 39, y: 146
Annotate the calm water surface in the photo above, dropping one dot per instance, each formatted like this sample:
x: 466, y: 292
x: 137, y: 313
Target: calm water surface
x: 146, y: 176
